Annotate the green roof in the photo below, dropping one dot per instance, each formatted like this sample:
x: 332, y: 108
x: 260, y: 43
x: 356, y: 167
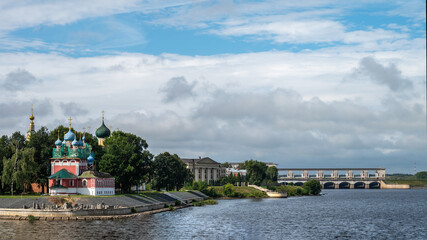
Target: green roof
x: 63, y: 173
x: 94, y: 174
x: 102, y: 131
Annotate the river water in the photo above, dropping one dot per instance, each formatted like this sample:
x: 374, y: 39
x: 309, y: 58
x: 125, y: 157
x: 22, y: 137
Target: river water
x: 338, y: 214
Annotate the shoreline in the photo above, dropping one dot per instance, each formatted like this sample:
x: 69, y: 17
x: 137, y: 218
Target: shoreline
x: 91, y: 218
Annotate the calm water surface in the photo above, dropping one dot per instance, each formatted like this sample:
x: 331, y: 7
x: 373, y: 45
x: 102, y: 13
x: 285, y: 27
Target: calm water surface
x: 339, y: 214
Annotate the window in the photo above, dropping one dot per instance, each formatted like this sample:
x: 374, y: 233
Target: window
x: 71, y: 183
x: 84, y: 183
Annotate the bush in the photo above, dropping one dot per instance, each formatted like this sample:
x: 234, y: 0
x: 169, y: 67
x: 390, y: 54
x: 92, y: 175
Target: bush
x: 165, y: 206
x: 313, y: 187
x: 133, y: 210
x: 229, y: 190
x: 210, y: 202
x: 171, y: 208
x: 211, y: 192
x: 177, y: 203
x: 31, y: 218
x: 292, y: 190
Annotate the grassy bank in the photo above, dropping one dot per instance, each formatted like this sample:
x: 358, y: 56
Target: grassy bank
x: 241, y: 192
x: 413, y: 183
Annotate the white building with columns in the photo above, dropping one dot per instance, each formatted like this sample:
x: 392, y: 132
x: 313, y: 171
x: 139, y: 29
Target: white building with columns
x: 204, y: 169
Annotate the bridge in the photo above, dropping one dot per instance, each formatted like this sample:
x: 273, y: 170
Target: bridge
x: 335, y: 178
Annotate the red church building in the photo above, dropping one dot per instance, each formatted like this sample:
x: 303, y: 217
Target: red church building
x: 71, y: 164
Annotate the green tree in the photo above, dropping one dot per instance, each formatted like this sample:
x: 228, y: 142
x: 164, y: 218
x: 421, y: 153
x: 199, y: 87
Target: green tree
x: 127, y: 159
x: 42, y: 142
x: 272, y: 173
x: 313, y: 187
x: 5, y: 152
x: 255, y: 171
x: 229, y: 190
x: 239, y: 178
x: 421, y: 175
x: 170, y: 172
x: 226, y: 165
x: 19, y: 169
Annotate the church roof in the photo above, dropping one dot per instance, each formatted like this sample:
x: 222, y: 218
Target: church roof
x: 102, y: 131
x: 94, y: 174
x: 63, y: 173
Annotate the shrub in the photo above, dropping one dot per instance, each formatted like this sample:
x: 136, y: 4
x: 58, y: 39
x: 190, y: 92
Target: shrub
x: 133, y: 210
x: 171, y: 208
x: 313, y: 187
x: 211, y: 192
x: 166, y: 206
x: 177, y: 203
x: 229, y: 190
x: 31, y: 218
x: 210, y: 202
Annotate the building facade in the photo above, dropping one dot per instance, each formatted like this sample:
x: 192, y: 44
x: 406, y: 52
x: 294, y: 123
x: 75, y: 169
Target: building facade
x: 204, y: 169
x: 73, y: 170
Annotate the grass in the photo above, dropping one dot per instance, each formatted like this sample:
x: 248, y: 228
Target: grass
x: 413, y: 183
x: 244, y: 192
x: 204, y: 202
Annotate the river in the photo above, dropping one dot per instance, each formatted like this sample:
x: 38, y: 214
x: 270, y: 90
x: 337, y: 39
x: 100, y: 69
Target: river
x: 337, y: 214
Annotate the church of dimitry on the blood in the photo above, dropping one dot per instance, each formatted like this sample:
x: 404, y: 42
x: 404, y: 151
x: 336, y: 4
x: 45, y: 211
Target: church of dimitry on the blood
x: 72, y: 166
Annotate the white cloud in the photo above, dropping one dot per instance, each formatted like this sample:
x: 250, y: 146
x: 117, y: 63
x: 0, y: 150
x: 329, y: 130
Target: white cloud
x: 263, y: 105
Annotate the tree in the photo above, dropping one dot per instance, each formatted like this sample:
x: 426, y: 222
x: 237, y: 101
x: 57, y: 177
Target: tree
x: 42, y: 142
x: 170, y: 172
x: 20, y: 168
x: 5, y: 152
x: 313, y: 187
x: 226, y: 165
x: 255, y: 171
x: 229, y: 190
x: 421, y: 175
x: 127, y: 159
x: 272, y: 173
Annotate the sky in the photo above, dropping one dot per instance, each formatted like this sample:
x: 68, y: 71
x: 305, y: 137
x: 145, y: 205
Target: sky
x: 299, y: 83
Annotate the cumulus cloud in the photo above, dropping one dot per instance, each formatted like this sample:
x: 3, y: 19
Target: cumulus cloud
x: 283, y: 127
x: 389, y: 76
x: 18, y: 79
x: 178, y: 88
x: 73, y: 109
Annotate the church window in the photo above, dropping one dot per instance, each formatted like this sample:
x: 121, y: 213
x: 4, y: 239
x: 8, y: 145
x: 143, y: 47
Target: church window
x: 71, y: 183
x: 84, y: 183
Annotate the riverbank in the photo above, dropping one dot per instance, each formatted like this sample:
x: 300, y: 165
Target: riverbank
x: 411, y: 183
x: 92, y: 208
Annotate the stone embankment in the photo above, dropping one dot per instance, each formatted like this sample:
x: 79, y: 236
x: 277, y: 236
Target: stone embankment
x: 91, y: 208
x: 270, y: 193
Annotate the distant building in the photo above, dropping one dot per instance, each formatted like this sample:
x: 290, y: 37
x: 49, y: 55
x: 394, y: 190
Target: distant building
x: 204, y: 169
x: 235, y: 165
x: 235, y: 172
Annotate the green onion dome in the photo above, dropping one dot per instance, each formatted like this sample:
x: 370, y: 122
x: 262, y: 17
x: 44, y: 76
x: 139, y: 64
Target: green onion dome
x: 102, y: 131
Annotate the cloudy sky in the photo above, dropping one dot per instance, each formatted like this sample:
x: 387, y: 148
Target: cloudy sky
x: 299, y: 83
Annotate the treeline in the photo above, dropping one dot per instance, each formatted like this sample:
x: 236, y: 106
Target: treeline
x: 404, y: 176
x: 257, y: 172
x: 125, y: 156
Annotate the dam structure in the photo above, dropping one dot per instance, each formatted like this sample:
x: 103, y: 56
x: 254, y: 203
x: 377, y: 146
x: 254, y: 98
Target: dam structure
x: 335, y: 178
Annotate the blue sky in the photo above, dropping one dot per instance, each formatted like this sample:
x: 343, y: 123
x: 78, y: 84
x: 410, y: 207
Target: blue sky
x: 310, y: 83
